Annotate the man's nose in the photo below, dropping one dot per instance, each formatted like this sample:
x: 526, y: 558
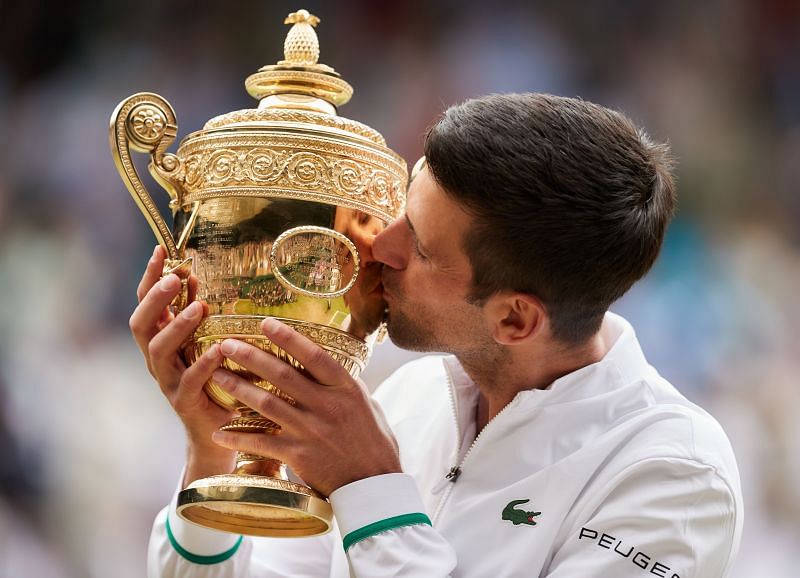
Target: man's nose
x: 391, y: 245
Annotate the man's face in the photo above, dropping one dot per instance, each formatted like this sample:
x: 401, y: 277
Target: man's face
x: 427, y: 275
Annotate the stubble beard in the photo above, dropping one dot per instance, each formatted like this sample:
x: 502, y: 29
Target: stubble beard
x: 404, y: 331
x: 477, y: 351
x: 408, y: 334
x: 426, y: 330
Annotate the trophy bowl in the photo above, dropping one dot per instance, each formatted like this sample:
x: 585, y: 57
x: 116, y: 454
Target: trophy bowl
x: 274, y: 210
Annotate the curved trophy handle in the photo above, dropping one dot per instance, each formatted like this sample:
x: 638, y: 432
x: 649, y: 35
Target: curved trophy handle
x: 339, y: 272
x: 145, y: 122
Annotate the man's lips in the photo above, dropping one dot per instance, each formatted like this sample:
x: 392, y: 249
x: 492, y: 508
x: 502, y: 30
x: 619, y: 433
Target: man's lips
x: 388, y: 282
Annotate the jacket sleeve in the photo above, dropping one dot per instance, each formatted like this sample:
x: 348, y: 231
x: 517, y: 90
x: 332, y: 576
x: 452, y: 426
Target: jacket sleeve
x: 386, y: 532
x: 673, y: 518
x: 180, y: 549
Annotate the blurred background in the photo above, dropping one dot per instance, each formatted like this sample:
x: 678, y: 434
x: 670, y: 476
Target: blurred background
x: 89, y: 450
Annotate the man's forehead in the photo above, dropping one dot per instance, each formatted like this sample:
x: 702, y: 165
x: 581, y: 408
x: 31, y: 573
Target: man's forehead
x: 420, y: 193
x: 431, y: 212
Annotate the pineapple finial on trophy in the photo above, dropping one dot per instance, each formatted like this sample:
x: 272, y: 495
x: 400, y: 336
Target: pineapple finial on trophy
x: 301, y: 46
x: 297, y: 79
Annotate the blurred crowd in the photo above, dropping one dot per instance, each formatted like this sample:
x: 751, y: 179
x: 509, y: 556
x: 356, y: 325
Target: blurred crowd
x: 89, y: 451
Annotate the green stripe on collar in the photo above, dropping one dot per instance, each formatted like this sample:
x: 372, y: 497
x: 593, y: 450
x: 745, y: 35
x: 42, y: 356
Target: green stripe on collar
x: 197, y: 559
x: 384, y: 526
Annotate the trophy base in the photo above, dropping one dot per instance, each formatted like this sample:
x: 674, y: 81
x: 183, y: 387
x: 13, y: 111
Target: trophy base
x: 255, y: 506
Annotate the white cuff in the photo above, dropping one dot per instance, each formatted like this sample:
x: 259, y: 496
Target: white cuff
x: 365, y: 502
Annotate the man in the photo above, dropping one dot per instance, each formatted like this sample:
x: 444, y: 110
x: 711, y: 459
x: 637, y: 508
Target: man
x: 544, y: 445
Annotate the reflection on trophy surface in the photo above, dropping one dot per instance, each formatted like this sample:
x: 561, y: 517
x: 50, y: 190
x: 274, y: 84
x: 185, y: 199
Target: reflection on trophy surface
x: 274, y: 211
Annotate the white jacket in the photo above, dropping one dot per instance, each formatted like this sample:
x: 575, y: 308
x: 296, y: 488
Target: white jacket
x: 609, y: 472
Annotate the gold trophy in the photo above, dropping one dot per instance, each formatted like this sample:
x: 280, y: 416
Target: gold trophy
x: 272, y: 210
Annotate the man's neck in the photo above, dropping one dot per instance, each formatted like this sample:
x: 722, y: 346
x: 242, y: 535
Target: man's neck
x: 501, y: 377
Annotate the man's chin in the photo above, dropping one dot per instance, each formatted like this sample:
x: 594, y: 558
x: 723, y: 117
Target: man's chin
x: 408, y: 337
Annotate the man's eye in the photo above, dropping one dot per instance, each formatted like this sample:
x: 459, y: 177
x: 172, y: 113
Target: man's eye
x: 418, y: 253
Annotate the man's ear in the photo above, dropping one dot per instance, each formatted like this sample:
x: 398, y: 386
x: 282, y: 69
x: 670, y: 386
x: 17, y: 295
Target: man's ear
x: 515, y: 318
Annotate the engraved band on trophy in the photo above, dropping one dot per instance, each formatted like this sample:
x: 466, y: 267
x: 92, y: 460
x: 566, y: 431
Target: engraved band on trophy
x: 272, y: 208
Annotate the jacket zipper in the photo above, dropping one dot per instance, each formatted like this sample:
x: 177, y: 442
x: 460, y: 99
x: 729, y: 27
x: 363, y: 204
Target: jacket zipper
x: 455, y: 471
x: 454, y: 412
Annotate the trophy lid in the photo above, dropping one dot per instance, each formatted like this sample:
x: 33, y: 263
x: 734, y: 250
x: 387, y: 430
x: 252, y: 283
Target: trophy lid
x: 294, y: 144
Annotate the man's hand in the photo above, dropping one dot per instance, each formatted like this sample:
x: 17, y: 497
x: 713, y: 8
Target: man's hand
x: 159, y: 334
x: 334, y: 435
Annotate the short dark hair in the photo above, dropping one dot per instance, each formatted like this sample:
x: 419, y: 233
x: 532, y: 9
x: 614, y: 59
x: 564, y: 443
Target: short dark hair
x: 570, y: 200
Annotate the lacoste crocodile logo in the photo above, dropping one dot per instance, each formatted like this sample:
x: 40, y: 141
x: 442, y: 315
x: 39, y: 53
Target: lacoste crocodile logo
x: 517, y: 517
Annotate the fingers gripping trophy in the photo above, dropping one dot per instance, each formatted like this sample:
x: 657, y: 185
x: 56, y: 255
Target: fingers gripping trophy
x: 272, y: 208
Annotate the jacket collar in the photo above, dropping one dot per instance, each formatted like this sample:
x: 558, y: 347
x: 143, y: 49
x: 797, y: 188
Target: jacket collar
x: 624, y: 363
